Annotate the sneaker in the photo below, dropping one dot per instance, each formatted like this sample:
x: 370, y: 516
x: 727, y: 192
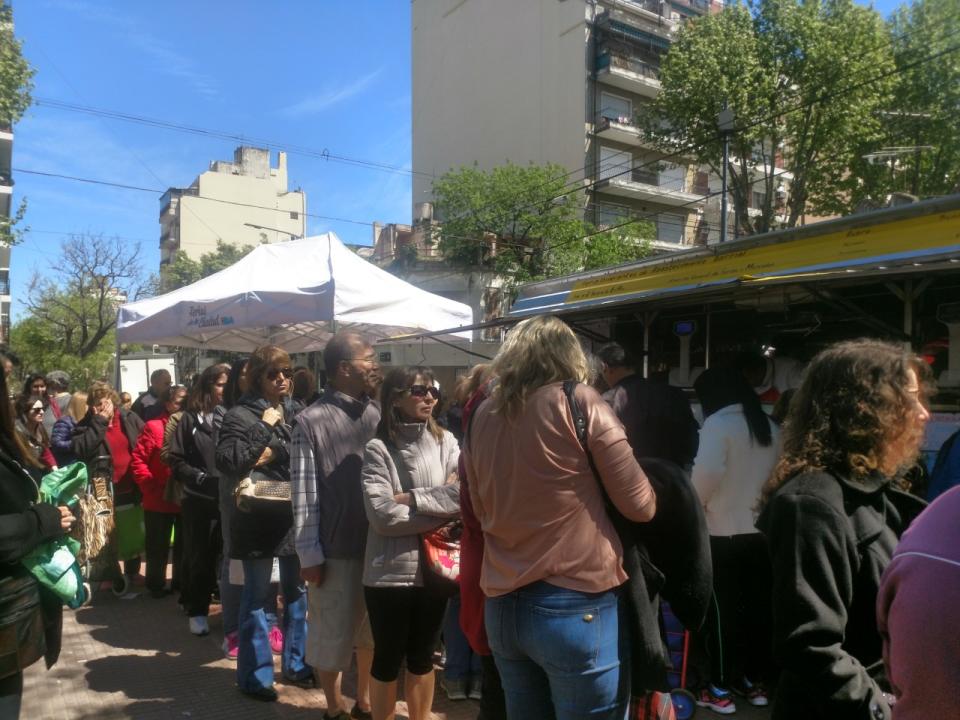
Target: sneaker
x: 276, y: 640
x: 716, y: 699
x: 475, y: 693
x: 358, y: 714
x: 754, y: 693
x: 121, y: 585
x: 302, y: 679
x: 455, y: 689
x: 231, y: 646
x: 199, y: 626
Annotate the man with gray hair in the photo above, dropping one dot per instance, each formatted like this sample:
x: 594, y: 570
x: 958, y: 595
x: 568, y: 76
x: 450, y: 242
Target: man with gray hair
x: 58, y: 390
x: 329, y: 519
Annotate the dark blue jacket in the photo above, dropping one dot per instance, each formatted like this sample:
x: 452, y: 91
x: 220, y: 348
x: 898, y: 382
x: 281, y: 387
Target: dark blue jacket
x: 61, y: 441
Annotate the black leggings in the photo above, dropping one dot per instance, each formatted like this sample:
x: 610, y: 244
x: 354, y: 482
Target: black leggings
x: 405, y: 622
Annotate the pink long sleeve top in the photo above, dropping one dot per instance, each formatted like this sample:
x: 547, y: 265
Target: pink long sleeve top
x: 538, y: 502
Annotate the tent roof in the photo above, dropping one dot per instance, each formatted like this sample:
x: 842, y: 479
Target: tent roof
x: 288, y: 294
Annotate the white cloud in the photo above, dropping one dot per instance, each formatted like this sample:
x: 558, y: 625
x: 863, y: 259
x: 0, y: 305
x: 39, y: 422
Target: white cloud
x: 330, y: 97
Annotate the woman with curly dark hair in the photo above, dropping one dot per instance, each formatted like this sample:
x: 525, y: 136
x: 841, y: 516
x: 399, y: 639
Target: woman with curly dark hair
x: 832, y: 515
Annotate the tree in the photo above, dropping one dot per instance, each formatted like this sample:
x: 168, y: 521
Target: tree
x: 524, y: 223
x: 16, y: 84
x: 72, y: 307
x: 805, y: 79
x: 924, y: 111
x: 184, y: 270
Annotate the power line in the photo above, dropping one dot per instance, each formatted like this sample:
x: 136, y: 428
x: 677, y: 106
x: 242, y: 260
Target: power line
x: 124, y: 186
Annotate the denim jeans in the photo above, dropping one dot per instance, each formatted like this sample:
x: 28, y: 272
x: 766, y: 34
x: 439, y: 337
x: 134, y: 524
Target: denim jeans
x: 462, y: 663
x: 562, y: 654
x: 255, y: 660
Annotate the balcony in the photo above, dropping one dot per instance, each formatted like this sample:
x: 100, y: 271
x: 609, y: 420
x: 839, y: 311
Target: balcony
x: 622, y: 130
x: 636, y: 19
x: 628, y: 73
x: 650, y: 186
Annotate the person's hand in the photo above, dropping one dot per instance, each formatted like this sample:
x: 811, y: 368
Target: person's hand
x: 313, y: 575
x: 265, y: 457
x: 67, y: 518
x: 271, y: 416
x: 105, y: 409
x: 403, y: 499
x: 452, y: 478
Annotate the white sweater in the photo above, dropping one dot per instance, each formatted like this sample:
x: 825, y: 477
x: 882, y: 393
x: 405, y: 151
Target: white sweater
x: 730, y: 470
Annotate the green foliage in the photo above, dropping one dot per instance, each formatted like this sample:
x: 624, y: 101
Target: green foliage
x: 183, y: 270
x: 72, y: 307
x: 522, y: 222
x: 10, y: 234
x: 795, y: 74
x: 927, y: 97
x: 16, y: 75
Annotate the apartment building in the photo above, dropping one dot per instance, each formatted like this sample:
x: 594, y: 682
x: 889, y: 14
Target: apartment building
x: 6, y: 207
x: 244, y: 202
x: 561, y: 81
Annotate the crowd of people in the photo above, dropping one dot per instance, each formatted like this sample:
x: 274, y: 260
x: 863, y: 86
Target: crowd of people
x: 579, y: 495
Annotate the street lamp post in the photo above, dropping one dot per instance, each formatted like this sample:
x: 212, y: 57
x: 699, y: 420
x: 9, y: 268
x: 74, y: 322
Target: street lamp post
x: 725, y: 120
x: 293, y: 235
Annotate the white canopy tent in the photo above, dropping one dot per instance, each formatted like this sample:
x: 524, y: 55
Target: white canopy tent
x: 291, y: 294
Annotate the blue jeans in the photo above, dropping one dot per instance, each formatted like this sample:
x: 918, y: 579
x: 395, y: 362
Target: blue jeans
x: 255, y: 660
x: 561, y: 654
x: 462, y: 663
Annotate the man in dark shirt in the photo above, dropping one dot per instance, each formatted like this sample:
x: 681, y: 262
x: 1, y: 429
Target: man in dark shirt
x: 657, y: 416
x: 148, y: 405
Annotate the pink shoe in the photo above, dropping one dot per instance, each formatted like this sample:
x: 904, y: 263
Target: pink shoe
x: 276, y: 640
x: 231, y: 646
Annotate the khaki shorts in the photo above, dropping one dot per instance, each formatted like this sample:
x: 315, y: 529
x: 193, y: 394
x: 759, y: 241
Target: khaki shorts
x: 337, y: 617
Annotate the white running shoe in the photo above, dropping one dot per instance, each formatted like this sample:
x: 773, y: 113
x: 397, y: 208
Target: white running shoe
x: 199, y: 626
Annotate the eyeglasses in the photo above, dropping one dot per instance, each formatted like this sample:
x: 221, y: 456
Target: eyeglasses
x: 274, y: 373
x: 423, y: 390
x: 366, y: 359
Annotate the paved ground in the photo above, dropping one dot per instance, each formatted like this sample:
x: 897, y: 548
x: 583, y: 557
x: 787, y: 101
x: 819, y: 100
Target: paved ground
x: 135, y: 658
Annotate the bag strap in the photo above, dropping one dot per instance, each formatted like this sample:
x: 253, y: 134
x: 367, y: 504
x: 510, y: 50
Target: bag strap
x: 580, y: 425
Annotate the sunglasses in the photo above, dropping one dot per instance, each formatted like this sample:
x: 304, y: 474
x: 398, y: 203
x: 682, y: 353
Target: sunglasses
x: 37, y: 409
x: 274, y: 373
x: 424, y: 390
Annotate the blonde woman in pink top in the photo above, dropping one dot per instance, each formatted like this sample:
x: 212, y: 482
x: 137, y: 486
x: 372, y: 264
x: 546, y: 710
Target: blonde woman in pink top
x: 552, y: 563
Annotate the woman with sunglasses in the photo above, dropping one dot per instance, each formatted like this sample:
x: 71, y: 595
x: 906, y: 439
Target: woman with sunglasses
x: 30, y: 411
x: 409, y: 487
x: 255, y: 435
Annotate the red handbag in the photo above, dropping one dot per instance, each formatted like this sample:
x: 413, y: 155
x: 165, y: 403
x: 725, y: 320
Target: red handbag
x: 440, y: 557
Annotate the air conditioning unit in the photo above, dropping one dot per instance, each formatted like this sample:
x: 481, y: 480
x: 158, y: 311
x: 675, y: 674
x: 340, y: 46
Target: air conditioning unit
x: 423, y: 212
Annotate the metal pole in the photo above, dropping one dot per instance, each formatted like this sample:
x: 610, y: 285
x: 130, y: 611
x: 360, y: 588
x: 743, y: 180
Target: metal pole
x: 725, y: 121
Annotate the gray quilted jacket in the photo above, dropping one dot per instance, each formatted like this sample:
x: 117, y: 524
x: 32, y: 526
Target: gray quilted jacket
x: 392, y: 557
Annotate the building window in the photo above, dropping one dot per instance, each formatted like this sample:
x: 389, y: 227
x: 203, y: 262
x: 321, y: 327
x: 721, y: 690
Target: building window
x: 608, y: 215
x: 615, y: 107
x: 614, y: 163
x: 670, y: 227
x: 4, y: 282
x: 294, y: 215
x: 759, y: 198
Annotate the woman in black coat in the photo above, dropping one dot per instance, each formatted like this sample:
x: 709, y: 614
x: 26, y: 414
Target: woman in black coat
x: 255, y: 435
x: 832, y: 515
x: 30, y: 616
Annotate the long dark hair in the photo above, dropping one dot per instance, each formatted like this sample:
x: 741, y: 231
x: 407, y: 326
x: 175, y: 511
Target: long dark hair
x: 30, y: 380
x: 719, y: 388
x: 395, y: 384
x: 231, y: 393
x: 202, y: 392
x: 852, y: 400
x: 10, y: 440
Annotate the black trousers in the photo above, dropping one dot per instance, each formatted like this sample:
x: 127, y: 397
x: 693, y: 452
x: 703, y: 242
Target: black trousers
x: 202, y: 543
x: 11, y: 695
x: 405, y: 623
x: 157, y: 527
x: 739, y: 626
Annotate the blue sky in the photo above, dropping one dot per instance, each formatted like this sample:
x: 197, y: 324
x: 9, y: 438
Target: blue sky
x: 311, y: 73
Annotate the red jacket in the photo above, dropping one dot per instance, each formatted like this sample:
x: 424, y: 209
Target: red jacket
x: 149, y: 471
x: 471, y: 551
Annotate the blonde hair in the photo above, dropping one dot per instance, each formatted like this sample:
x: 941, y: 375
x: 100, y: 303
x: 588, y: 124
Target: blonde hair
x: 77, y: 407
x: 539, y: 351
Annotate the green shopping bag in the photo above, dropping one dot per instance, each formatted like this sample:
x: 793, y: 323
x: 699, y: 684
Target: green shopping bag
x: 128, y: 520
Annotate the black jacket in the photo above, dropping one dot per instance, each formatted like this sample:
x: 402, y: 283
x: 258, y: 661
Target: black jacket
x: 91, y: 447
x: 24, y: 524
x: 192, y: 457
x: 668, y: 557
x: 657, y: 418
x: 830, y: 540
x: 241, y: 440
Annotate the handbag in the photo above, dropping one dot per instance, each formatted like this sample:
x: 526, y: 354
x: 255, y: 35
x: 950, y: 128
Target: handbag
x: 440, y: 557
x: 22, y: 639
x: 259, y: 493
